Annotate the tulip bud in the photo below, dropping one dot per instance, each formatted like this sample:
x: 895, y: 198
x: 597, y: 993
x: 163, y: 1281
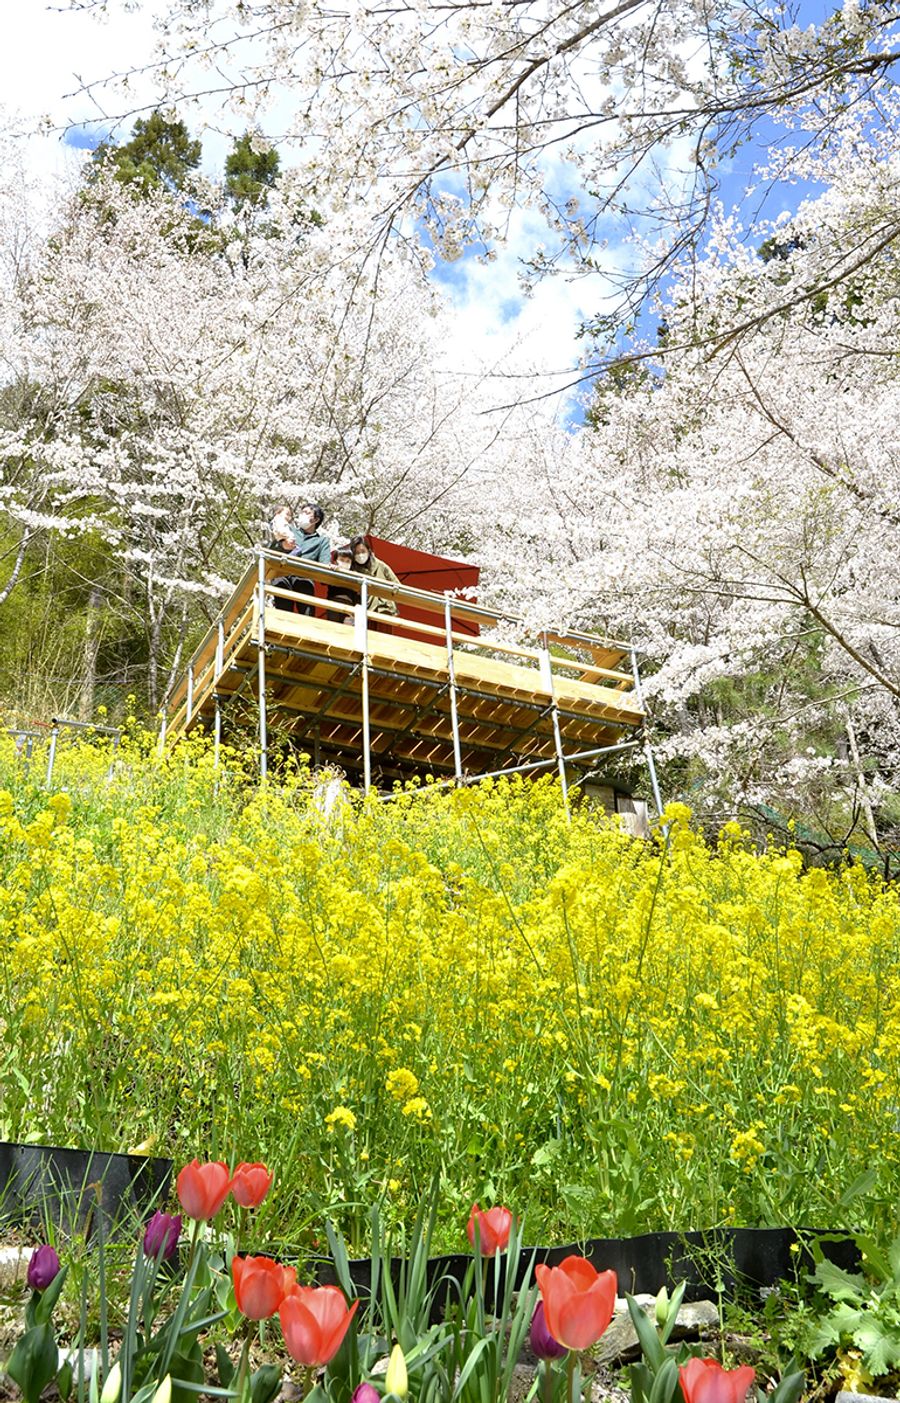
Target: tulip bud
x: 396, y: 1380
x: 112, y: 1386
x: 164, y: 1393
x: 43, y: 1267
x: 161, y: 1235
x: 542, y: 1342
x: 662, y: 1306
x: 365, y: 1393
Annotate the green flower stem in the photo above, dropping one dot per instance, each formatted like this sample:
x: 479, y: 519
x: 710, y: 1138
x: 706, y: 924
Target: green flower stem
x: 571, y: 1361
x: 547, y: 1381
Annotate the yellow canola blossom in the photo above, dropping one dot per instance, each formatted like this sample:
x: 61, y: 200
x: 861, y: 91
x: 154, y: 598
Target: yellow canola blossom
x: 607, y: 1034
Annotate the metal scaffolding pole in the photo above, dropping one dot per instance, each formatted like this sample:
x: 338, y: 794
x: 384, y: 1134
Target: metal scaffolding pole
x: 547, y: 679
x: 451, y: 674
x: 361, y: 622
x: 648, y: 750
x: 51, y: 757
x: 261, y: 668
x: 217, y: 736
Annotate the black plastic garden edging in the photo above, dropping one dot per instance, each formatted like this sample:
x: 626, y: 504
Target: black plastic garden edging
x: 78, y: 1191
x: 723, y: 1259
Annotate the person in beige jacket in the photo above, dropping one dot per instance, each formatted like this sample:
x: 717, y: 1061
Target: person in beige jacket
x: 365, y: 562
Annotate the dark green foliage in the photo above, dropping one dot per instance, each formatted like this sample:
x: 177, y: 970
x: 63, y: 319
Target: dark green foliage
x: 160, y: 155
x: 250, y: 173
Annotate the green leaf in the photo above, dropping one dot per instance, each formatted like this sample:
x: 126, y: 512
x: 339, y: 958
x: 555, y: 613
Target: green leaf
x: 880, y: 1346
x: 665, y: 1383
x: 64, y: 1381
x: 186, y: 1369
x: 43, y: 1308
x: 788, y: 1389
x: 651, y: 1346
x: 861, y: 1185
x: 34, y: 1362
x: 840, y: 1285
x: 641, y: 1382
x: 224, y: 1365
x: 265, y: 1384
x: 472, y: 1364
x: 674, y: 1308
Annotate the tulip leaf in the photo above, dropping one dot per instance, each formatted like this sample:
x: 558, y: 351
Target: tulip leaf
x: 265, y: 1384
x: 186, y: 1369
x: 64, y: 1381
x: 34, y: 1362
x: 43, y: 1308
x: 651, y: 1346
x: 224, y: 1365
x: 471, y: 1364
x: 665, y: 1383
x: 788, y: 1389
x: 674, y: 1308
x: 641, y: 1382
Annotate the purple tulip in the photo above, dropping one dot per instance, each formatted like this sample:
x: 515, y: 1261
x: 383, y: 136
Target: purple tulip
x: 542, y: 1342
x: 365, y: 1393
x: 161, y: 1235
x: 43, y: 1266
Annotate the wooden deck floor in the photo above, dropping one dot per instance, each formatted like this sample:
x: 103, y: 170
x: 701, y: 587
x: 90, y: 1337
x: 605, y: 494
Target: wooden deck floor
x: 505, y: 695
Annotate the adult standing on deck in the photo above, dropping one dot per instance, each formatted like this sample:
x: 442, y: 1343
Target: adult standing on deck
x: 310, y: 544
x: 365, y: 562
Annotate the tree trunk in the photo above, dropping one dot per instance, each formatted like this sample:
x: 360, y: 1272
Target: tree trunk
x: 10, y: 585
x: 93, y: 629
x: 865, y: 801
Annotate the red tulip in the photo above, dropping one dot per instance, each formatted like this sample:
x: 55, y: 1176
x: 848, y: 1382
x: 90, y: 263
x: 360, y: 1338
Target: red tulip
x: 260, y: 1285
x: 493, y: 1229
x: 203, y: 1188
x: 578, y: 1301
x: 251, y: 1184
x: 314, y: 1321
x: 705, y: 1381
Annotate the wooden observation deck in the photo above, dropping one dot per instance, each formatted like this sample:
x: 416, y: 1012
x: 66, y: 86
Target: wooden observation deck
x: 435, y: 690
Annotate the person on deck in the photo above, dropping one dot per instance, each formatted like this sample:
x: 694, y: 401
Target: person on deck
x: 340, y: 592
x: 309, y: 543
x: 365, y: 562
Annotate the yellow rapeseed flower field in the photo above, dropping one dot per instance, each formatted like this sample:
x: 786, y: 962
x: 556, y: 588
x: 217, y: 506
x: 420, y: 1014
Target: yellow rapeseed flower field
x: 609, y: 1035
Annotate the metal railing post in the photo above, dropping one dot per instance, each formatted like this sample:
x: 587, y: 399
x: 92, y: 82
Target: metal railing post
x: 261, y: 670
x: 190, y: 695
x: 217, y: 740
x: 112, y: 759
x: 451, y: 673
x: 51, y: 757
x: 547, y: 679
x: 648, y: 749
x: 220, y: 648
x: 363, y: 640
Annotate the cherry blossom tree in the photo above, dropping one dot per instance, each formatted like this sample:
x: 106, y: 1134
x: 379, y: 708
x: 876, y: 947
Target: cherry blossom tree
x: 176, y: 378
x: 442, y: 117
x: 734, y: 503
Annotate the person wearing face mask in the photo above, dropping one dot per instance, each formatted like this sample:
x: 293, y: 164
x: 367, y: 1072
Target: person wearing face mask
x: 342, y: 592
x: 365, y: 562
x: 309, y: 544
